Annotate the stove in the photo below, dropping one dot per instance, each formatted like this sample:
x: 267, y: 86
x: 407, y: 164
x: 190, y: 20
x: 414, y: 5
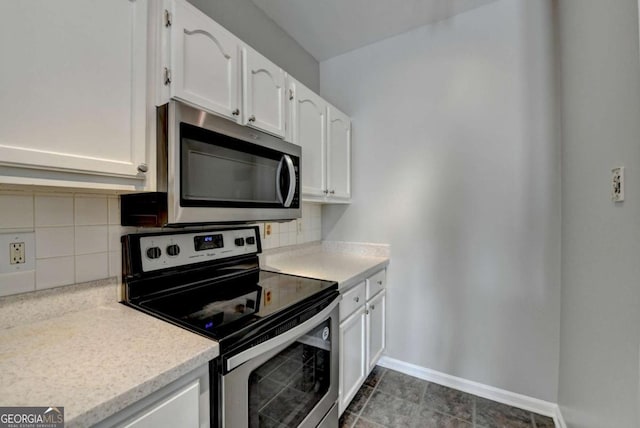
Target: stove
x: 209, y: 282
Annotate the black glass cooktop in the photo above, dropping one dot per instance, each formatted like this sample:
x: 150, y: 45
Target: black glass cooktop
x: 209, y: 282
x: 225, y: 307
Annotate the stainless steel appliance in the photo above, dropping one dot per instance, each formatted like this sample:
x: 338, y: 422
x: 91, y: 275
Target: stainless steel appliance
x: 211, y: 170
x: 278, y: 333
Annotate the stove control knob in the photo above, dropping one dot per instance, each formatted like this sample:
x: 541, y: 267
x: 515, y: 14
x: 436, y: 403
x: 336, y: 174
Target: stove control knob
x: 239, y: 242
x: 154, y: 252
x: 173, y: 250
x: 251, y: 240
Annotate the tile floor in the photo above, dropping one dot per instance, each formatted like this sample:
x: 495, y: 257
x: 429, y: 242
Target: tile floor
x: 393, y: 400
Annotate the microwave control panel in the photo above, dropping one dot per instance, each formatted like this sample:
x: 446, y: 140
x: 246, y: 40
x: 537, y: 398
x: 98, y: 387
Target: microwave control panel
x: 180, y: 249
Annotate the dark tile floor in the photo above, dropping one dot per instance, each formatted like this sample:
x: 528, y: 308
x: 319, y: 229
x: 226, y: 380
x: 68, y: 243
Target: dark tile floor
x: 394, y: 400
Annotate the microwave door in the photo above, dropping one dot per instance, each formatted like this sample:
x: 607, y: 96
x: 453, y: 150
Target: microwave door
x: 286, y: 180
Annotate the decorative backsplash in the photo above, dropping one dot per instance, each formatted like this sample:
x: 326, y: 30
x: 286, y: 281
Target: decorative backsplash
x: 77, y: 236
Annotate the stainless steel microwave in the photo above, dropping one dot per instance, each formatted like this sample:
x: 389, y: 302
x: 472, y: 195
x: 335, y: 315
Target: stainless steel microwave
x: 211, y: 170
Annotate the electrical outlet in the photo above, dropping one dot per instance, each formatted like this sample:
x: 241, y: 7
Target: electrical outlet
x: 16, y: 253
x: 267, y: 229
x: 617, y: 184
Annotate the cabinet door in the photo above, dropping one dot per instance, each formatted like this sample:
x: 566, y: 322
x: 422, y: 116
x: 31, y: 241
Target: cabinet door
x: 179, y: 409
x: 263, y: 84
x: 205, y: 60
x: 375, y: 329
x: 309, y: 132
x: 352, y: 357
x: 73, y: 85
x: 338, y: 154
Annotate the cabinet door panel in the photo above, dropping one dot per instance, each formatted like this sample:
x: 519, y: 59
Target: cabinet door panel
x: 376, y: 329
x: 73, y: 85
x: 205, y: 59
x: 179, y: 409
x: 264, y: 93
x: 309, y: 131
x: 352, y: 357
x: 339, y: 154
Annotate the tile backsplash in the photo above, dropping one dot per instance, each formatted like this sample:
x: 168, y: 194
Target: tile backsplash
x: 72, y: 234
x: 77, y: 236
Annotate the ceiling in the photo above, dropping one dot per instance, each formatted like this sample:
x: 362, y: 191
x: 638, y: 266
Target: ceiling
x: 326, y: 28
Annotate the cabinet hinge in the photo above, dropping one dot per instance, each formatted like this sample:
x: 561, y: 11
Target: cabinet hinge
x: 167, y: 18
x: 290, y: 94
x: 167, y: 76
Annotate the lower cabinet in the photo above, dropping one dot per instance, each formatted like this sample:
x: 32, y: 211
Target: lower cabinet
x: 183, y: 403
x: 353, y: 360
x: 375, y: 327
x: 362, y: 335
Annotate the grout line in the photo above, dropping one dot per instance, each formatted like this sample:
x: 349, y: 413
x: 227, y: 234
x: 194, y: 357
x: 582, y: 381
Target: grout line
x: 373, y: 390
x: 473, y: 412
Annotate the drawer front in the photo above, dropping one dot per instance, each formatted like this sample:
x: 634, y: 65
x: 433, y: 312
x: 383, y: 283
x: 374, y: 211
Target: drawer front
x: 376, y: 283
x: 352, y: 300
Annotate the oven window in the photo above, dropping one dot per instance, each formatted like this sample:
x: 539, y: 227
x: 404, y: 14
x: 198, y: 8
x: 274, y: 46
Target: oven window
x: 284, y: 390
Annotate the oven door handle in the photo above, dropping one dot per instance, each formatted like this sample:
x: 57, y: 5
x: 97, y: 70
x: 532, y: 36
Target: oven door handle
x: 283, y: 338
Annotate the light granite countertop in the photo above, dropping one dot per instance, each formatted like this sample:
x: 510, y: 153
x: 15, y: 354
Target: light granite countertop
x: 346, y: 263
x: 95, y: 362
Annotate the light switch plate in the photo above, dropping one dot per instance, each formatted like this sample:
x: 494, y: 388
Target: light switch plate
x: 6, y: 239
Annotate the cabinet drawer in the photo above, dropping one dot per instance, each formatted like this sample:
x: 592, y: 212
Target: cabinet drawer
x: 376, y: 282
x: 352, y: 300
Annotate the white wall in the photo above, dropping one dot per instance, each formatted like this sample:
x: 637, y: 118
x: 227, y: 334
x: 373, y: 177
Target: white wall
x: 247, y: 21
x: 456, y: 165
x: 600, y: 327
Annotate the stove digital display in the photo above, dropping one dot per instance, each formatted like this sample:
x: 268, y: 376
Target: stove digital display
x: 208, y: 242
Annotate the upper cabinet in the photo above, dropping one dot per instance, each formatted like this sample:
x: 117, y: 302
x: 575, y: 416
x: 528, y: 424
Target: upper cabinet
x: 325, y: 136
x: 338, y: 154
x: 263, y: 89
x: 308, y: 119
x: 203, y: 64
x: 73, y: 85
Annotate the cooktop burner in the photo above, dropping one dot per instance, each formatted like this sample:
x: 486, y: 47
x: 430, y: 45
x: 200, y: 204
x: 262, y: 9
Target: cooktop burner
x: 210, y: 282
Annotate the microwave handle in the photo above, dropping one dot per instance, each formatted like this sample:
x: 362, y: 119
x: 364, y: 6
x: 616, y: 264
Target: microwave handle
x: 292, y: 180
x: 278, y: 175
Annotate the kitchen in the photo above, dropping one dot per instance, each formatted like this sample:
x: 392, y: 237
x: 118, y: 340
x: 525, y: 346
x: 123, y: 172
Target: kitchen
x: 530, y: 296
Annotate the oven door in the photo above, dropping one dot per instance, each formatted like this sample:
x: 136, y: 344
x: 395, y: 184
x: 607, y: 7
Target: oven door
x: 221, y: 171
x: 288, y: 381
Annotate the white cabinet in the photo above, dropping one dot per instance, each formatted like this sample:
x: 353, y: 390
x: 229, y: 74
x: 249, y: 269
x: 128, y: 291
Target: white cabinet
x: 183, y: 403
x: 204, y: 65
x: 178, y: 409
x: 362, y: 334
x: 375, y: 328
x: 353, y: 360
x: 263, y: 84
x: 200, y: 63
x: 308, y: 119
x: 338, y: 154
x: 73, y: 85
x: 325, y: 136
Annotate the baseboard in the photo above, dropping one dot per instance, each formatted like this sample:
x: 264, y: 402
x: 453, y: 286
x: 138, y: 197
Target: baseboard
x: 531, y: 404
x: 558, y: 419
